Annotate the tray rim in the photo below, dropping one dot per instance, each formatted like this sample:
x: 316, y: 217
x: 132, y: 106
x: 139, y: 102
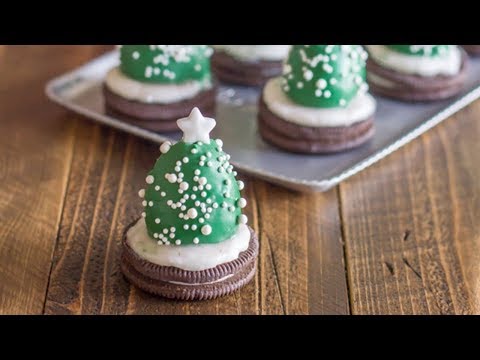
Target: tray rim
x: 286, y: 181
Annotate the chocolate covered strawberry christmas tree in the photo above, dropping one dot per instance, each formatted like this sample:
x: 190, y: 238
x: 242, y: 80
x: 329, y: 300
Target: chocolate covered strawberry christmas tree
x: 417, y: 72
x: 324, y: 76
x: 192, y: 241
x: 192, y: 195
x: 166, y: 64
x: 321, y: 103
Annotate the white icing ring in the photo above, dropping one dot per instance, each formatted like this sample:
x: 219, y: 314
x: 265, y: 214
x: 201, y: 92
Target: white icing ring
x: 361, y: 108
x: 187, y: 257
x: 256, y: 52
x: 449, y: 64
x: 147, y: 93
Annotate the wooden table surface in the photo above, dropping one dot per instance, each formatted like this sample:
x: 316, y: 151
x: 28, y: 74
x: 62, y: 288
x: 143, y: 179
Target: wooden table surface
x: 402, y: 237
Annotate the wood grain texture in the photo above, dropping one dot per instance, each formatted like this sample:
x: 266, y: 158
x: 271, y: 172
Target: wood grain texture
x: 36, y: 144
x: 411, y: 225
x: 404, y: 233
x: 327, y: 284
x: 301, y: 252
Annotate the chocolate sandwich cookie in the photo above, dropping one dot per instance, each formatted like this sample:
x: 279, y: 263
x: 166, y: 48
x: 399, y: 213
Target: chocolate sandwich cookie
x: 157, y: 117
x: 311, y: 140
x: 175, y: 283
x: 192, y: 241
x: 473, y: 50
x: 412, y: 87
x: 249, y: 73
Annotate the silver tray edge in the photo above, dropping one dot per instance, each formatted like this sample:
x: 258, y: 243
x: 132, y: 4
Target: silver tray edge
x: 289, y: 182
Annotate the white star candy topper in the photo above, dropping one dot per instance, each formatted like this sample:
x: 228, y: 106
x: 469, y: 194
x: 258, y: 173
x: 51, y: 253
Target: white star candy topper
x: 196, y: 127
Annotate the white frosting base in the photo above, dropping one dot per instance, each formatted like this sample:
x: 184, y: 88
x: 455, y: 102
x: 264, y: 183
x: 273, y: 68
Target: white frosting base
x: 256, y: 52
x: 449, y: 64
x: 187, y: 257
x: 360, y: 108
x: 131, y: 89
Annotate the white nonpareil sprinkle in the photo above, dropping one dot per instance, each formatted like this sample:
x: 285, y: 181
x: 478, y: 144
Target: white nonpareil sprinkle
x: 149, y: 179
x: 241, y: 185
x: 192, y: 213
x: 308, y: 75
x: 172, y: 178
x: 322, y: 83
x: 243, y: 219
x: 242, y: 203
x: 141, y: 193
x: 206, y: 230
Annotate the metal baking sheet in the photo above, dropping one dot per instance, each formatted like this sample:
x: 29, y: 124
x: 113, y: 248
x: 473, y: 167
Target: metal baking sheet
x: 397, y: 124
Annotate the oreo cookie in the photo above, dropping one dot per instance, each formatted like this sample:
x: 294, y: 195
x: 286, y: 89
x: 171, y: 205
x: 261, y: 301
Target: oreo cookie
x: 175, y: 283
x: 311, y: 140
x: 234, y: 71
x: 157, y: 117
x: 408, y: 87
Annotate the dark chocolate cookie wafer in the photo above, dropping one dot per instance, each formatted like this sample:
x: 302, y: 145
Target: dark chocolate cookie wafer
x: 158, y: 117
x: 310, y: 140
x: 473, y: 50
x: 328, y: 135
x: 235, y: 71
x: 391, y: 83
x: 161, y: 126
x: 175, y: 283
